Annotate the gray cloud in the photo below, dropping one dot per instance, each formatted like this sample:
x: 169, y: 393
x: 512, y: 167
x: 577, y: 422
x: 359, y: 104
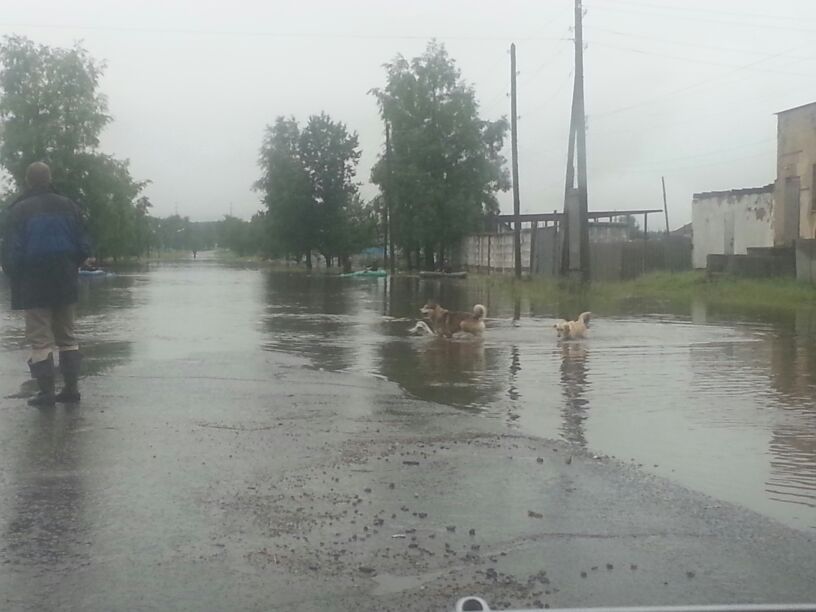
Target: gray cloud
x: 681, y: 89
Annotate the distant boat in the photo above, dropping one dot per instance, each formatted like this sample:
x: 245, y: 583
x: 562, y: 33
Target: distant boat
x: 428, y: 274
x: 93, y: 272
x: 366, y: 274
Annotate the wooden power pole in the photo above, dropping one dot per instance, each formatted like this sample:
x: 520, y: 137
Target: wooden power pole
x: 575, y: 261
x: 389, y: 193
x: 665, y: 204
x: 514, y: 149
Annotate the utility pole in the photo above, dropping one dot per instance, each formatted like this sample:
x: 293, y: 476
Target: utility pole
x: 514, y: 148
x: 386, y: 196
x: 576, y: 208
x: 665, y: 205
x: 580, y: 140
x: 390, y: 187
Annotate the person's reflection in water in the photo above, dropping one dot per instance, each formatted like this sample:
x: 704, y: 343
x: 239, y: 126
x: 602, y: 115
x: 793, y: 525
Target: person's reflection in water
x: 47, y: 528
x: 574, y: 382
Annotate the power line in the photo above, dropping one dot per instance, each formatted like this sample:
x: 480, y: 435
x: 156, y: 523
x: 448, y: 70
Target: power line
x: 269, y: 34
x: 661, y: 165
x: 763, y: 26
x: 694, y: 60
x: 718, y: 77
x: 554, y: 93
x: 732, y: 112
x: 687, y: 8
x: 652, y: 170
x: 693, y: 156
x: 687, y: 43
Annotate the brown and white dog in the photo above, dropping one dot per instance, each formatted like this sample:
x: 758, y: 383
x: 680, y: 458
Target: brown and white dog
x: 447, y: 322
x: 570, y: 330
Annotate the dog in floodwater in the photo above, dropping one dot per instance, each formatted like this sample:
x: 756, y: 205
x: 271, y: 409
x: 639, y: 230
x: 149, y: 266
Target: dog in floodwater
x: 421, y: 329
x: 571, y: 330
x: 447, y: 322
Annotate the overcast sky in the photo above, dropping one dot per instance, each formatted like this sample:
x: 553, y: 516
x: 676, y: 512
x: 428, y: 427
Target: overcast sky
x: 681, y: 88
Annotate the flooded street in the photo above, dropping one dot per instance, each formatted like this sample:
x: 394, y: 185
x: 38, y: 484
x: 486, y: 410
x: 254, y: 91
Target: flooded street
x: 727, y: 408
x: 243, y: 431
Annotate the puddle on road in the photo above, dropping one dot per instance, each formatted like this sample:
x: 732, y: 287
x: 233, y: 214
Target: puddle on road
x: 720, y: 401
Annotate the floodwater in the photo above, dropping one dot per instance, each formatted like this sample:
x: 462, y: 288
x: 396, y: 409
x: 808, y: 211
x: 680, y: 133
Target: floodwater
x: 719, y: 401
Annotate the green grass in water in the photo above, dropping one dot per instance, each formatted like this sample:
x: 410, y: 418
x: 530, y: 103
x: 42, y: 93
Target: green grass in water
x: 681, y: 287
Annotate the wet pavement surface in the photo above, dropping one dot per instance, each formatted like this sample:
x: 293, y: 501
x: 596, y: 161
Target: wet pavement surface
x: 250, y: 440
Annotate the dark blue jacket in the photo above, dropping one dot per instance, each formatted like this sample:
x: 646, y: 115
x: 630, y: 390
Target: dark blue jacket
x: 44, y: 244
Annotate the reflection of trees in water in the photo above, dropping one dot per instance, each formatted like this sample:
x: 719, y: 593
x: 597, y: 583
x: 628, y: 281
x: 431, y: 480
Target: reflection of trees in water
x: 305, y: 315
x: 785, y: 357
x: 101, y: 357
x: 308, y: 293
x: 573, y: 386
x: 793, y: 441
x: 48, y: 527
x: 450, y: 372
x: 98, y: 295
x: 793, y: 463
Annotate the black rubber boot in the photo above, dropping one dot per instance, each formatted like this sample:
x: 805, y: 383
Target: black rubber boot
x: 69, y: 366
x: 43, y: 373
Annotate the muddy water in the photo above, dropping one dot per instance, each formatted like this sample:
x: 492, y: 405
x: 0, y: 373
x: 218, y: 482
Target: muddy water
x: 720, y: 401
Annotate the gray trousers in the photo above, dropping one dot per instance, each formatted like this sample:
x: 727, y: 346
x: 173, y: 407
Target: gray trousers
x: 50, y: 329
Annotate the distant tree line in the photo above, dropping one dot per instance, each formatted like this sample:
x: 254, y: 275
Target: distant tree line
x: 438, y: 180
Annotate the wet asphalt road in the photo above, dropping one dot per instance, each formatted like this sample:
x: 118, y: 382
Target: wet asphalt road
x: 208, y: 477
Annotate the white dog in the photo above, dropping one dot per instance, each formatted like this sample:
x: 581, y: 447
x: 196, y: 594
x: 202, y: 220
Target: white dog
x: 570, y: 330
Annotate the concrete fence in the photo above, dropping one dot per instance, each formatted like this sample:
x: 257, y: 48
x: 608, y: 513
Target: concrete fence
x: 493, y: 252
x: 806, y: 261
x: 541, y: 254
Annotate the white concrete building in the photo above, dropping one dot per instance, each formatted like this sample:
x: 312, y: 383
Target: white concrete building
x: 730, y: 222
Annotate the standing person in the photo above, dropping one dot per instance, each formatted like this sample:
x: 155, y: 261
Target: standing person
x: 44, y: 244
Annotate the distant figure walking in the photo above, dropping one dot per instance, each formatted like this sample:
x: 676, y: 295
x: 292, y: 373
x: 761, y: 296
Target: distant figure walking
x: 44, y: 244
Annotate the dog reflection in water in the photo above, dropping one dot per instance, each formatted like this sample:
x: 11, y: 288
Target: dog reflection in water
x: 421, y: 329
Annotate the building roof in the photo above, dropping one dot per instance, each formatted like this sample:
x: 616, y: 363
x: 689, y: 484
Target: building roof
x: 686, y: 230
x: 744, y: 191
x: 592, y: 214
x: 787, y: 110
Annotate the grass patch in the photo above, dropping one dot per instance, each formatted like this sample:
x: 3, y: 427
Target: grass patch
x: 659, y: 287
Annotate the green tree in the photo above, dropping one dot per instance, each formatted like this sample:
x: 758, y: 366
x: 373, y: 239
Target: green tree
x: 51, y: 110
x: 446, y: 163
x: 286, y: 189
x: 329, y: 154
x: 309, y: 190
x: 105, y: 189
x: 357, y: 229
x: 145, y: 238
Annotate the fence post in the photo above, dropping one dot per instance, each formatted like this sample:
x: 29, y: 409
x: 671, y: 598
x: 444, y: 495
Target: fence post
x: 533, y: 237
